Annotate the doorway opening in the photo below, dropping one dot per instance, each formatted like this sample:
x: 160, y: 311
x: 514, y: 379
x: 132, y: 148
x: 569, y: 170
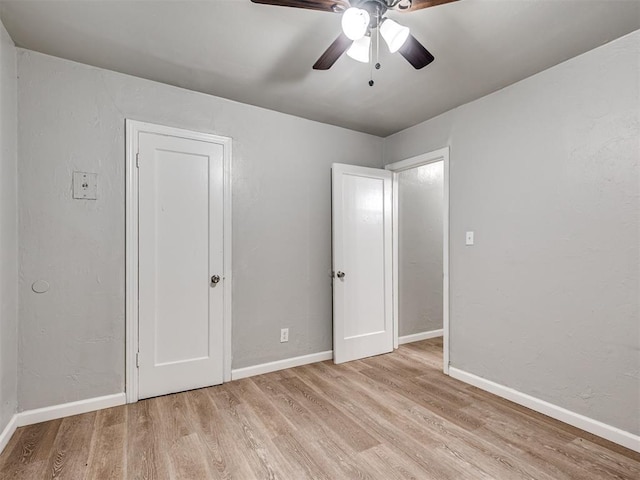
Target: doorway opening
x: 421, y: 249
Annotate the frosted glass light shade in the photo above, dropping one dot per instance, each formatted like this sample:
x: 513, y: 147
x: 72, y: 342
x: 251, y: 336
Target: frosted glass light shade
x: 359, y: 50
x: 394, y: 34
x: 355, y: 22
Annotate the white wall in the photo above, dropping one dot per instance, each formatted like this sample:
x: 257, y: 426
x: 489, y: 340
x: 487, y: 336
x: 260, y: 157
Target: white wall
x: 546, y: 173
x: 71, y: 117
x: 420, y: 209
x: 8, y: 230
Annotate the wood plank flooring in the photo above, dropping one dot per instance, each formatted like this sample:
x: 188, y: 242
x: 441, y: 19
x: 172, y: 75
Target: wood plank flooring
x: 395, y: 416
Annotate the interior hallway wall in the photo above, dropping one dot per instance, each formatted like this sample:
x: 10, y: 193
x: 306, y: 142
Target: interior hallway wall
x: 8, y: 229
x: 420, y: 204
x: 546, y: 173
x: 72, y: 117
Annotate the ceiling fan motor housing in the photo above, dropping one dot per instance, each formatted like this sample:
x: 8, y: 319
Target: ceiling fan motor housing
x: 375, y: 8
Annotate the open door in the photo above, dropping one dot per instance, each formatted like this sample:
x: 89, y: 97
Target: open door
x: 362, y: 262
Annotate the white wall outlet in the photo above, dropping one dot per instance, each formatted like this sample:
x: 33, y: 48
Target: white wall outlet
x: 284, y: 335
x: 85, y: 186
x: 469, y: 238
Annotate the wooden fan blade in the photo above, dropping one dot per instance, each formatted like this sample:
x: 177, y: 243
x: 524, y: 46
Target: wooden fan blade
x: 420, y: 4
x: 323, y: 5
x: 331, y: 54
x: 415, y: 53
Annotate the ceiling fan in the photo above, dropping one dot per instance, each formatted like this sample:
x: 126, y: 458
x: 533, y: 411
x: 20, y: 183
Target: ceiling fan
x: 359, y: 19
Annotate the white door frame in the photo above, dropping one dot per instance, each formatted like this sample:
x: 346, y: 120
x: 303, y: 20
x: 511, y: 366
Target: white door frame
x: 396, y: 168
x: 133, y: 129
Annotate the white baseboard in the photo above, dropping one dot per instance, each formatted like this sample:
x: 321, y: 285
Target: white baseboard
x: 239, y: 373
x: 8, y: 432
x: 29, y: 417
x: 614, y: 434
x: 416, y: 337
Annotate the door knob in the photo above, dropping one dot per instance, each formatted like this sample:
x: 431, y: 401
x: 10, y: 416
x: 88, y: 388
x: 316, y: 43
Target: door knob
x: 215, y: 279
x: 340, y: 274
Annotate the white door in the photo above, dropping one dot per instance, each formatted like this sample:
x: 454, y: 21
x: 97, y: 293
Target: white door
x: 180, y: 239
x: 362, y: 256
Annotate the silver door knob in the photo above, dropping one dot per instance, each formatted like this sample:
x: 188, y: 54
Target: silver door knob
x: 215, y: 279
x: 340, y: 274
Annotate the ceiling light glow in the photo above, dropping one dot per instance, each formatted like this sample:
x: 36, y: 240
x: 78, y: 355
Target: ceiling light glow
x: 359, y: 50
x: 394, y: 34
x: 355, y: 22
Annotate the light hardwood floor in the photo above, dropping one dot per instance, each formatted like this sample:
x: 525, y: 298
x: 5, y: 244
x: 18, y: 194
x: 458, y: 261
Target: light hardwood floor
x: 394, y: 416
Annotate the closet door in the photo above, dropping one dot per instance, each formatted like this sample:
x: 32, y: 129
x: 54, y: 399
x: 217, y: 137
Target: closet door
x: 180, y: 264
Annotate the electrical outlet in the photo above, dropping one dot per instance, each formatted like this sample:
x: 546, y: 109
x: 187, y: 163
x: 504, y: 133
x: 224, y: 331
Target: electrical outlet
x: 284, y: 335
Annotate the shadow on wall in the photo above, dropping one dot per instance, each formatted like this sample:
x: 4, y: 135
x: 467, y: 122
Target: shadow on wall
x: 420, y: 212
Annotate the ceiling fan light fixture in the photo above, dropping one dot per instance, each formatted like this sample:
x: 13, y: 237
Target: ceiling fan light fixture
x: 355, y: 22
x: 394, y: 34
x: 359, y: 50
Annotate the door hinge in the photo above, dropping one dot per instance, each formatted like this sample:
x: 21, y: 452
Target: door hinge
x: 138, y: 360
x: 137, y: 160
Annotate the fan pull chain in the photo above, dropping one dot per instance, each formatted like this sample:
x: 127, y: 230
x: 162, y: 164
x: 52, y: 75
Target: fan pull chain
x: 377, y: 39
x: 371, y: 82
x: 378, y: 45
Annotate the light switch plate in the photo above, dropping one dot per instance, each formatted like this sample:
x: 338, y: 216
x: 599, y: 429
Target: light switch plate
x: 469, y: 238
x: 85, y: 186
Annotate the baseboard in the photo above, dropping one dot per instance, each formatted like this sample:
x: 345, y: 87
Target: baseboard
x: 8, y: 432
x: 29, y: 417
x: 239, y: 373
x: 416, y: 337
x: 614, y: 434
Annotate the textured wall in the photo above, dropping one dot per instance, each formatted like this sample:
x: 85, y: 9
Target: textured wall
x: 8, y: 230
x: 546, y: 173
x: 420, y: 203
x: 72, y: 118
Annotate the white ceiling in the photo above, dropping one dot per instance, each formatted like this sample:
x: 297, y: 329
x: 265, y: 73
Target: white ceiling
x: 262, y: 55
